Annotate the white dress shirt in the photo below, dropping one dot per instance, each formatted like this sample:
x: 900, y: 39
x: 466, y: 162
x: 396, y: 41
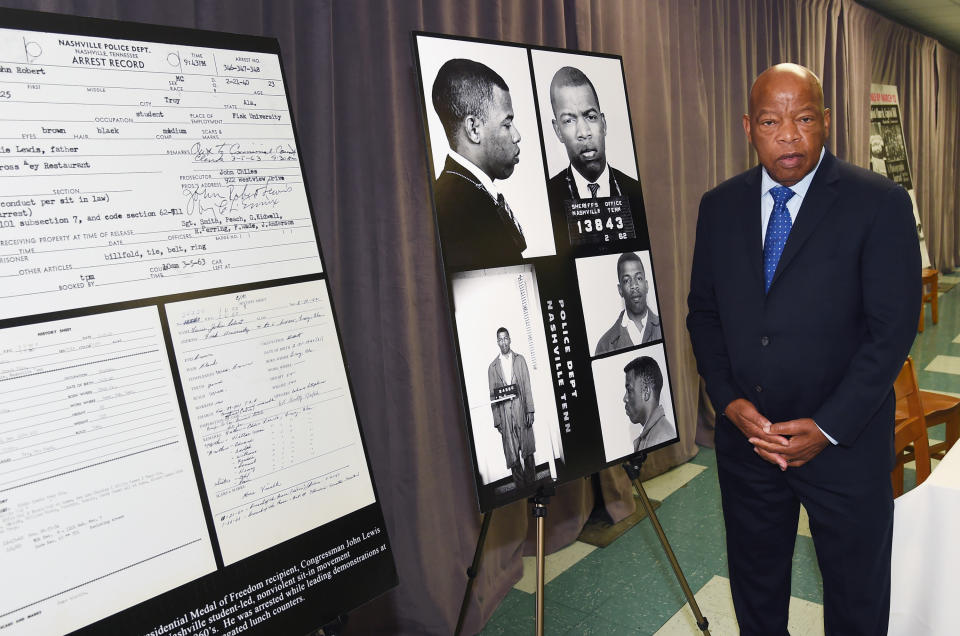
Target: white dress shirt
x: 582, y: 184
x: 793, y: 206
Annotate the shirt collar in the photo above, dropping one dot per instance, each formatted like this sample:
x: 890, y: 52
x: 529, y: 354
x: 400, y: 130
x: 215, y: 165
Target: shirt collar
x: 481, y: 176
x: 582, y: 182
x: 799, y: 188
x: 627, y: 321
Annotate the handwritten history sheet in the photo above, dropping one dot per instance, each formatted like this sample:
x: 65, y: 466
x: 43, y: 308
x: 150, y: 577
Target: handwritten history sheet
x: 271, y: 411
x: 99, y: 507
x: 140, y: 169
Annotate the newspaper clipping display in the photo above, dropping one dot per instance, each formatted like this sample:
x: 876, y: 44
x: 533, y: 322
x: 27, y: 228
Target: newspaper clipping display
x: 888, y: 151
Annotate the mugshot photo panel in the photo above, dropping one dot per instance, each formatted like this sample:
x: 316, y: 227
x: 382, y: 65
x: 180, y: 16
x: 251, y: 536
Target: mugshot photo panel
x: 485, y: 301
x: 606, y: 75
x: 524, y: 190
x: 602, y: 304
x: 617, y: 429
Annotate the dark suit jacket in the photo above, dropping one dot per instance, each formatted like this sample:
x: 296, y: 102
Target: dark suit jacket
x: 473, y: 232
x: 829, y: 338
x: 561, y: 187
x: 616, y: 337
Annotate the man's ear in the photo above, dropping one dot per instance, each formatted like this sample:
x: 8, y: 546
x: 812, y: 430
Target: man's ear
x: 471, y: 128
x: 556, y: 129
x: 746, y: 128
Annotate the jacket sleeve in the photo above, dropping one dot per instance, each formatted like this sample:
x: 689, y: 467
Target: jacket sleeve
x: 524, y: 376
x: 890, y: 274
x: 703, y: 319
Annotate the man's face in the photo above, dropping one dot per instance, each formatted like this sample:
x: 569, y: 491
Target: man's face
x: 876, y: 145
x: 503, y: 341
x: 787, y: 124
x: 499, y: 138
x: 582, y: 128
x: 633, y: 398
x: 633, y: 287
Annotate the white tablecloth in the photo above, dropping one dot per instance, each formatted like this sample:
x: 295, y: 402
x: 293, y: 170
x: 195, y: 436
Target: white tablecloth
x: 926, y: 555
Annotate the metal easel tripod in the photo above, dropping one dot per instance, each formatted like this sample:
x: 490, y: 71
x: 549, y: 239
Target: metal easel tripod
x: 539, y: 512
x: 632, y: 466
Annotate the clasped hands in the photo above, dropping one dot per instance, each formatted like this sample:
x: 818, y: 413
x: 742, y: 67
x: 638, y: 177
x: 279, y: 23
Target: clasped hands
x: 786, y: 444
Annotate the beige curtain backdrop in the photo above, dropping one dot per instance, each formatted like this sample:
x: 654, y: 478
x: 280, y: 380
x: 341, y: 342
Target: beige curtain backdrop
x: 688, y: 65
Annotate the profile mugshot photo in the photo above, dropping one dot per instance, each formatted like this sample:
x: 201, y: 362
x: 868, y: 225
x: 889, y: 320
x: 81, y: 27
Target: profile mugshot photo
x: 634, y: 401
x: 490, y: 195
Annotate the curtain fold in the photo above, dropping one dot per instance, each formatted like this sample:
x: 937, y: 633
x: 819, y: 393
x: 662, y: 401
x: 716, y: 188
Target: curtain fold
x: 946, y: 218
x: 688, y: 66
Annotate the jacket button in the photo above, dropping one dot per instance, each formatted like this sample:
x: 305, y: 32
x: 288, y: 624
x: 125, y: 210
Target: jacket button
x: 764, y: 341
x: 758, y: 389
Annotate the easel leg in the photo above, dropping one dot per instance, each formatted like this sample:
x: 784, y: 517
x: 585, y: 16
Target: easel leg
x: 633, y: 471
x: 540, y: 513
x: 472, y: 571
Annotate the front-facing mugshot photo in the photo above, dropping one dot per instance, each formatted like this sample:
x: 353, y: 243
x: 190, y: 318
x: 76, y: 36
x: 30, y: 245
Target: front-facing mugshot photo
x: 586, y: 132
x: 513, y: 418
x: 511, y: 401
x: 619, y: 301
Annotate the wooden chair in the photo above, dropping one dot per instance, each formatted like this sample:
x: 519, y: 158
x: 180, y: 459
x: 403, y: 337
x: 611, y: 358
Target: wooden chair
x: 910, y: 430
x: 938, y: 408
x: 928, y: 279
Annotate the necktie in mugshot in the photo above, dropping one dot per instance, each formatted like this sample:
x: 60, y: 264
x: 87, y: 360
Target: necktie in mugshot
x: 507, y: 215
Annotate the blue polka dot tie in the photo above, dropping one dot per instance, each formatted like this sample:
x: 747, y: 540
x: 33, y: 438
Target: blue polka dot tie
x: 778, y: 229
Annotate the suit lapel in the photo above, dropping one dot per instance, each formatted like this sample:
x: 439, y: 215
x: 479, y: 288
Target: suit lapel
x: 820, y: 196
x: 751, y: 227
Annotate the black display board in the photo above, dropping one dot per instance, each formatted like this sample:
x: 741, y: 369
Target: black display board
x: 179, y: 446
x: 546, y: 253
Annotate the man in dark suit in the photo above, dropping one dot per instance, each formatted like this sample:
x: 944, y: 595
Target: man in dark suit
x: 477, y: 226
x: 804, y: 300
x: 637, y: 323
x: 581, y: 127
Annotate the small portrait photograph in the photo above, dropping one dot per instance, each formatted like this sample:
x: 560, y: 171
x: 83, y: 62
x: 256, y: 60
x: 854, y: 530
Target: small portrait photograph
x: 877, y: 152
x: 892, y: 138
x: 510, y: 397
x: 634, y: 401
x: 491, y: 199
x: 619, y: 301
x: 587, y: 137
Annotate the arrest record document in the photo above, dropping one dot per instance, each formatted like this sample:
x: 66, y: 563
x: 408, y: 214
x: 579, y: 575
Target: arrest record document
x: 179, y: 445
x: 92, y: 455
x: 135, y: 169
x: 276, y: 439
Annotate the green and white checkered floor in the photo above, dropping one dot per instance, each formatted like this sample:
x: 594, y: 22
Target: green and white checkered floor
x: 629, y: 588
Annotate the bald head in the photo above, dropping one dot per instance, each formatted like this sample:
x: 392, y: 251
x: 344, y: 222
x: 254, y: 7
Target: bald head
x: 787, y: 123
x: 775, y: 77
